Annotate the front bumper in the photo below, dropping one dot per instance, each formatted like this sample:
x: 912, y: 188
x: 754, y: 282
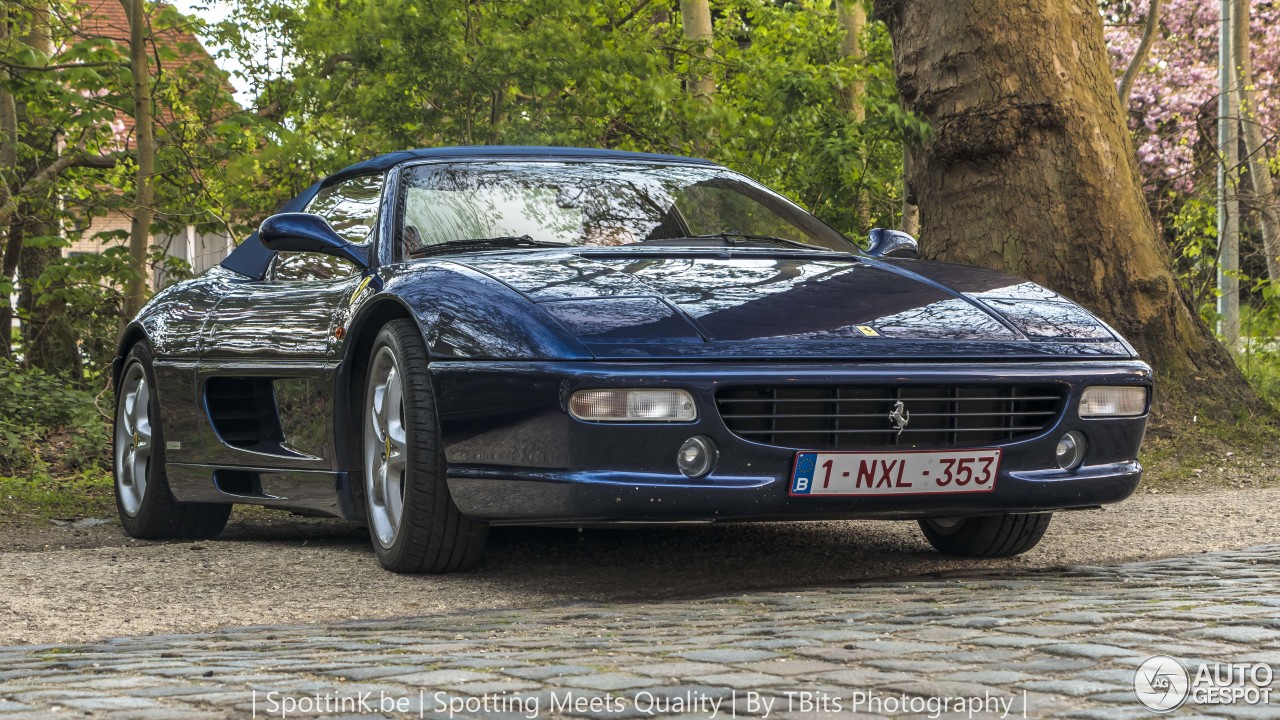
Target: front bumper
x: 516, y: 456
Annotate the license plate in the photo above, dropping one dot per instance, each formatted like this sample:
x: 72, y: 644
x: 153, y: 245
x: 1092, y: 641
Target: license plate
x: 911, y: 472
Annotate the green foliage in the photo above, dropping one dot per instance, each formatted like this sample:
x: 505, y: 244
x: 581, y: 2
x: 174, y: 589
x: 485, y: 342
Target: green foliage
x: 595, y: 73
x: 84, y: 494
x: 1192, y: 225
x: 337, y: 82
x: 89, y: 290
x: 215, y: 167
x: 1259, y: 354
x: 49, y: 426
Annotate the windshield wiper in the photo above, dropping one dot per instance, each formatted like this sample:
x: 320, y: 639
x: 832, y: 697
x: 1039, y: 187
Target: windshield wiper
x: 733, y: 239
x: 500, y: 242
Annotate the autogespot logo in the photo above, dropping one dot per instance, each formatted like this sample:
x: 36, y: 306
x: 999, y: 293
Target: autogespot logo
x: 1161, y: 683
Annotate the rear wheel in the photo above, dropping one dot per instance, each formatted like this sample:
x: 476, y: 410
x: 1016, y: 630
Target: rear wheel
x: 146, y: 506
x: 413, y: 522
x: 986, y: 536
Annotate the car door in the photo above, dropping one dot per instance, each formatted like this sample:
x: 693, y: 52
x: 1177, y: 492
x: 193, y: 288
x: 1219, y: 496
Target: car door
x: 268, y: 351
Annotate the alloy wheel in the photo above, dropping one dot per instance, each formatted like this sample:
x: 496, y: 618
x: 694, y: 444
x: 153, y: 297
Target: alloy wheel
x: 133, y: 441
x: 385, y: 447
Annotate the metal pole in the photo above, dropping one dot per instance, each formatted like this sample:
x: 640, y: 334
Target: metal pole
x: 1228, y: 205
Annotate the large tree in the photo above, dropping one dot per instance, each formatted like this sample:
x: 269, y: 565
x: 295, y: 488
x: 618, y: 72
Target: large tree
x: 1029, y: 168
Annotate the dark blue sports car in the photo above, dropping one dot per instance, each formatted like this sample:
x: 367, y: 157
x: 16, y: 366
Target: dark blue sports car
x: 435, y: 341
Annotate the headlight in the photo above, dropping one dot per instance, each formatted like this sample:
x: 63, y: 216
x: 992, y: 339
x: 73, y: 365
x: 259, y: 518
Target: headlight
x: 1103, y: 401
x: 633, y: 406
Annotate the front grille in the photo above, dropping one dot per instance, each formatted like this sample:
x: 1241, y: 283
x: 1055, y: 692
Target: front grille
x: 858, y: 416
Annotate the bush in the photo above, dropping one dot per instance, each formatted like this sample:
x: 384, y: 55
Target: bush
x: 50, y: 426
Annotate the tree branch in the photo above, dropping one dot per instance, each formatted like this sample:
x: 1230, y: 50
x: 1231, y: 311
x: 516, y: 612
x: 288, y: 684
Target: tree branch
x: 1140, y: 55
x: 50, y: 173
x: 64, y: 66
x: 615, y: 24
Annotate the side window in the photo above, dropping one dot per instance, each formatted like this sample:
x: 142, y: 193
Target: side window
x: 708, y: 208
x: 351, y: 207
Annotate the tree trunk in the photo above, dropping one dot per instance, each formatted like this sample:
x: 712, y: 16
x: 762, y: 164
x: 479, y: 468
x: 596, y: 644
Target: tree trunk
x: 910, y: 210
x: 1140, y: 55
x: 1264, y: 198
x: 1029, y: 168
x: 696, y: 18
x: 853, y: 18
x: 9, y: 255
x: 145, y: 151
x: 8, y: 174
x: 47, y: 342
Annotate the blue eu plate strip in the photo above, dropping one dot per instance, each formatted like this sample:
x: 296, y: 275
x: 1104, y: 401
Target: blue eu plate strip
x: 802, y: 481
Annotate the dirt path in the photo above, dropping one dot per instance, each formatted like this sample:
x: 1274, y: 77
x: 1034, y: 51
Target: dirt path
x: 61, y: 584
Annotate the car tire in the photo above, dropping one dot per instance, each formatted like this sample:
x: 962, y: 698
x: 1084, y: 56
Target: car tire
x: 144, y: 502
x: 986, y: 536
x: 413, y: 522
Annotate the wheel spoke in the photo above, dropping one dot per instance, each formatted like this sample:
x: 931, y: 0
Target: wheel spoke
x: 380, y: 485
x: 143, y: 446
x: 140, y: 478
x: 395, y: 502
x: 390, y: 399
x: 142, y: 405
x: 126, y: 413
x: 142, y: 416
x: 379, y: 411
x: 126, y: 470
x: 395, y: 417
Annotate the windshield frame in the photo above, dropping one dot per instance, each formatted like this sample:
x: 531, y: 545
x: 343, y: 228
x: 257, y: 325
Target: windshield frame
x: 388, y: 252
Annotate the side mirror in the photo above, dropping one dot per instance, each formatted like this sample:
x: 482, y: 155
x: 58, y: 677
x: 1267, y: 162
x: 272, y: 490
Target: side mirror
x: 305, y: 232
x: 892, y: 244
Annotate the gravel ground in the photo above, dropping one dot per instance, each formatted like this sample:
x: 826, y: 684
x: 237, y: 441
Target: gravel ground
x: 63, y: 584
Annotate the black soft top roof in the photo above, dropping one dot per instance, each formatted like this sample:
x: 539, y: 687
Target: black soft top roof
x: 250, y: 258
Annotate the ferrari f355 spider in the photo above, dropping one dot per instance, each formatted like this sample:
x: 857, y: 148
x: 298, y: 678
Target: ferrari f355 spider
x: 436, y: 341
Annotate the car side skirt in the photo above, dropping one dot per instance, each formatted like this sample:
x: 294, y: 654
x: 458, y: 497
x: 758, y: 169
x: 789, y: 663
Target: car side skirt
x: 312, y: 491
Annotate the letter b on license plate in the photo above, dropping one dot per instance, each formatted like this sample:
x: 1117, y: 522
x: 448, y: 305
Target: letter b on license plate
x: 913, y: 472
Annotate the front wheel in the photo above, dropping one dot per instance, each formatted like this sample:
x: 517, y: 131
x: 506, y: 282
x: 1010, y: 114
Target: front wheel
x: 414, y: 524
x: 986, y: 536
x: 146, y: 506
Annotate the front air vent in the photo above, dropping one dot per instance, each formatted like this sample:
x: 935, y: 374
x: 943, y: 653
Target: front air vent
x: 238, y: 482
x: 849, y: 417
x: 243, y: 412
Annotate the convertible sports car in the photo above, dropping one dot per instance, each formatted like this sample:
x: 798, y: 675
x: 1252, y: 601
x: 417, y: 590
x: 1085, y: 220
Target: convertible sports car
x: 435, y: 341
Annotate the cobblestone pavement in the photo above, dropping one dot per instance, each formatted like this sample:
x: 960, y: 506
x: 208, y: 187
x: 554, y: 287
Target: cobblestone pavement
x: 1052, y: 644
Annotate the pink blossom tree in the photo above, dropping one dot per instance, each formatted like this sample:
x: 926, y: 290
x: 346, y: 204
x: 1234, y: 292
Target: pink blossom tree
x: 1173, y: 104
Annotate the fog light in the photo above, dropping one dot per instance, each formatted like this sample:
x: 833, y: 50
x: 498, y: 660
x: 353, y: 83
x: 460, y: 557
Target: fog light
x: 633, y: 405
x: 697, y: 456
x: 1070, y: 451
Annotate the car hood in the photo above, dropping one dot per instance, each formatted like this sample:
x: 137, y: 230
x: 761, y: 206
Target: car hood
x: 744, y: 303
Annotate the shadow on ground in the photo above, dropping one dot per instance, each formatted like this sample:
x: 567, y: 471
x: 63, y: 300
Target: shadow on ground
x: 655, y: 562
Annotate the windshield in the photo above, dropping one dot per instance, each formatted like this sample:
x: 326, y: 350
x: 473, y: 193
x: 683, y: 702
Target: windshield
x: 599, y: 204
